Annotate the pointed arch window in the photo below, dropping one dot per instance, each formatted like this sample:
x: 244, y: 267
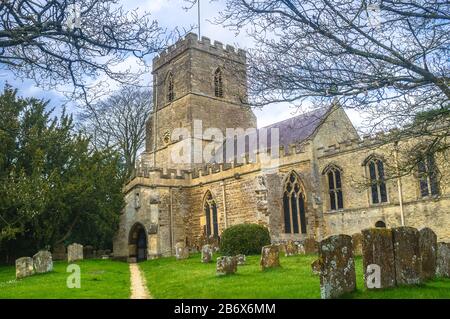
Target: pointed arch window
x: 218, y: 84
x: 170, y: 88
x: 334, y: 178
x: 376, y: 174
x: 294, y: 208
x: 210, y: 210
x: 428, y: 177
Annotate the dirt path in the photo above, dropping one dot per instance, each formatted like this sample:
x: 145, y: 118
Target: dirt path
x: 138, y: 286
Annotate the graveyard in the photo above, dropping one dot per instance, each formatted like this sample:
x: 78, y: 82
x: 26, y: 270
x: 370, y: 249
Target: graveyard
x: 415, y: 265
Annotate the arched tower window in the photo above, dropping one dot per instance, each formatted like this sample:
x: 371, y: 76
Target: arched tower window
x: 170, y: 88
x: 428, y: 177
x: 210, y: 210
x: 375, y: 168
x: 218, y: 85
x: 294, y: 207
x: 334, y: 178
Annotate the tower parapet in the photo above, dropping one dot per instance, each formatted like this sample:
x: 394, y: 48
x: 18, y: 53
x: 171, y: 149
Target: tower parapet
x: 191, y: 41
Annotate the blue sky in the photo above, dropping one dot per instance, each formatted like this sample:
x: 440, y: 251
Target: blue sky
x: 170, y: 14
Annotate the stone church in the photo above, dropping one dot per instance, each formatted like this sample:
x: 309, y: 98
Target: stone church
x: 318, y: 177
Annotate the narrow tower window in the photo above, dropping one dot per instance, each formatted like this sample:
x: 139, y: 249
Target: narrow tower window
x: 218, y: 85
x: 170, y: 86
x: 210, y: 209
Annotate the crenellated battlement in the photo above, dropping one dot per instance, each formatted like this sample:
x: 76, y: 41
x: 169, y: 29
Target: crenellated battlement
x: 191, y: 41
x: 368, y: 140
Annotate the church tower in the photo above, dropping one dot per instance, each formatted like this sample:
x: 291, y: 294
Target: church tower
x: 193, y: 81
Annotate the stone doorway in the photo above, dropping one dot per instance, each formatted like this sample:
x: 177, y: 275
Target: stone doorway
x: 137, y: 244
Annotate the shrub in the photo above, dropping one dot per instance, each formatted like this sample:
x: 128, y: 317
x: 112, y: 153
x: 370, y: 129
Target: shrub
x: 244, y: 239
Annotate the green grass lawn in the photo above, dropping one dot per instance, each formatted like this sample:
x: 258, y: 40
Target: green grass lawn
x: 169, y: 278
x: 99, y: 279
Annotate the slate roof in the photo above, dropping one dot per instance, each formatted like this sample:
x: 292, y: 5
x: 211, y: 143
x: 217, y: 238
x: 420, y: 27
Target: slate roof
x: 293, y: 130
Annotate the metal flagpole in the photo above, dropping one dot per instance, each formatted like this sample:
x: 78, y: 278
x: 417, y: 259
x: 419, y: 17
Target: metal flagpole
x: 199, y: 30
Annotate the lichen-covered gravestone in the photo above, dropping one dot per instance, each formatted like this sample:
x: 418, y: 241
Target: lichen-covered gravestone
x: 378, y: 249
x: 428, y: 252
x: 311, y: 246
x: 226, y: 265
x: 240, y: 259
x: 181, y: 251
x: 443, y: 260
x: 270, y: 257
x: 315, y: 267
x: 357, y: 244
x: 291, y: 249
x: 207, y: 253
x: 301, y: 249
x: 24, y: 267
x: 337, y: 266
x: 43, y: 262
x: 74, y: 252
x: 408, y: 264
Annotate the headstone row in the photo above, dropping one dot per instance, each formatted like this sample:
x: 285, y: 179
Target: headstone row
x: 40, y: 263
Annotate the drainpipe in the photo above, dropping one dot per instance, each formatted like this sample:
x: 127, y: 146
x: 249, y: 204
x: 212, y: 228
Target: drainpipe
x: 171, y: 219
x: 399, y: 185
x: 225, y: 217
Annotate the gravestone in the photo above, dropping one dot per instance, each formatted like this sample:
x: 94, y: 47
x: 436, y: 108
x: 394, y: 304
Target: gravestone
x: 378, y: 249
x: 207, y: 254
x: 357, y: 244
x: 311, y: 246
x: 43, y: 262
x: 443, y: 260
x: 226, y: 265
x: 88, y: 252
x: 315, y: 267
x: 428, y: 252
x: 24, y: 267
x: 181, y: 251
x: 74, y: 252
x: 337, y: 266
x: 301, y: 249
x: 270, y: 257
x: 59, y: 252
x: 408, y: 264
x: 291, y: 249
x: 241, y: 260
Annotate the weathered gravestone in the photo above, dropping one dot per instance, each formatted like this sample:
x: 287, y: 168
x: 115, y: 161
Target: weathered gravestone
x: 226, y: 265
x: 88, y: 252
x: 315, y: 267
x: 74, y: 252
x: 181, y: 251
x: 443, y: 260
x: 270, y: 257
x: 357, y: 244
x: 337, y: 266
x: 311, y: 246
x: 24, y: 267
x: 408, y: 264
x: 301, y: 249
x: 240, y: 259
x: 43, y: 262
x: 59, y: 252
x: 291, y: 249
x: 207, y: 254
x: 378, y: 250
x: 428, y: 252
